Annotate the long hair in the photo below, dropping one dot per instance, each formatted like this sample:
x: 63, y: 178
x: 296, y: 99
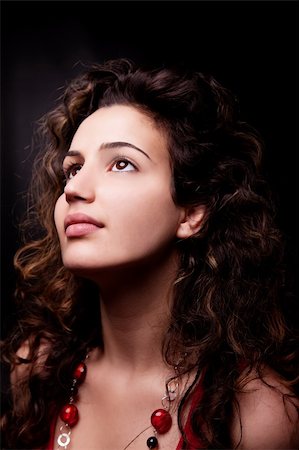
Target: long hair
x: 229, y: 292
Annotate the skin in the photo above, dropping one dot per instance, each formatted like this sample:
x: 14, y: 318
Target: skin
x: 130, y: 258
x: 128, y: 199
x: 268, y: 421
x: 131, y: 255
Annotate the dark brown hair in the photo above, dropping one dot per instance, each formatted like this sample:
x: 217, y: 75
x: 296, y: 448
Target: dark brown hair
x: 229, y: 296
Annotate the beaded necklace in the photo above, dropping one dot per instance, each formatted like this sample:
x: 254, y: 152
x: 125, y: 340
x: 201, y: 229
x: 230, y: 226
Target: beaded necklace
x: 161, y: 420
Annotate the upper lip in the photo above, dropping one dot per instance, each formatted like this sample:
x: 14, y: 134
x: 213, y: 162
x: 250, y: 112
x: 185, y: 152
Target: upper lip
x: 80, y: 218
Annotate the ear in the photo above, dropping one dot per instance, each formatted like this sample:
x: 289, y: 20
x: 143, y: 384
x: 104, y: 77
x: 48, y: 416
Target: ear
x: 191, y: 221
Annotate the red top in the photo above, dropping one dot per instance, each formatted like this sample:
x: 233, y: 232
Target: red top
x: 194, y: 442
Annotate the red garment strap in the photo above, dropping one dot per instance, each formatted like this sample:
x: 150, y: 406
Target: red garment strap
x: 50, y: 445
x: 193, y: 441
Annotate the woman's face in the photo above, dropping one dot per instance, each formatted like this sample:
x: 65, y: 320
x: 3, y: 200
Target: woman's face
x: 117, y: 208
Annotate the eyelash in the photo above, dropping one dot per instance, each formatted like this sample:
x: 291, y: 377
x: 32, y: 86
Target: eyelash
x: 72, y: 166
x: 122, y: 159
x: 68, y: 169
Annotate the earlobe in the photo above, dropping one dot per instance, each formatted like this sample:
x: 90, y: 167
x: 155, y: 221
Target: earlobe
x: 191, y: 222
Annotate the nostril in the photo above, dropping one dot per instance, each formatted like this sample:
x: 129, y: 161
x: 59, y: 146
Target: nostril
x: 80, y: 187
x: 70, y: 197
x: 74, y: 193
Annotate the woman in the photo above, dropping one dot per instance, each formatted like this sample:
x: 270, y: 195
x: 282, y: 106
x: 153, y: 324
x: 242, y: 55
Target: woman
x: 151, y: 288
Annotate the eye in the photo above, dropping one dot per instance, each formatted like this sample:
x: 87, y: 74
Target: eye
x: 122, y: 165
x: 71, y: 171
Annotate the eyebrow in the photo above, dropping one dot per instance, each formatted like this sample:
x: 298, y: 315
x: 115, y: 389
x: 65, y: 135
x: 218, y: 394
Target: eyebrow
x: 110, y: 145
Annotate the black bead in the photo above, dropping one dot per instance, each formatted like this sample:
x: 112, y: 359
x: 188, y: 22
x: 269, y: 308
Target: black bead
x: 152, y: 442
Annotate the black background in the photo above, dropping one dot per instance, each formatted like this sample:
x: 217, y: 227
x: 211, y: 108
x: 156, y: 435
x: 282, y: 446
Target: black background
x: 251, y: 47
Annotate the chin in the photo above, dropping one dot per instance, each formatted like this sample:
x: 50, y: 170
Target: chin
x: 84, y: 265
x: 80, y: 265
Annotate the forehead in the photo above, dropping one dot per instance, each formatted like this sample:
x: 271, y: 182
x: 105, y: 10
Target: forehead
x: 120, y: 123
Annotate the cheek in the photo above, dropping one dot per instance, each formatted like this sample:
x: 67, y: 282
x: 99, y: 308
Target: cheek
x: 149, y: 213
x: 59, y: 215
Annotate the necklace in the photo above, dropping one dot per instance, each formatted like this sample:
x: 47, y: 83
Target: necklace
x: 161, y: 420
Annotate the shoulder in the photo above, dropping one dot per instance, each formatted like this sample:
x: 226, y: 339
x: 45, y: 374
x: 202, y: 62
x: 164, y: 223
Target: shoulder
x: 266, y: 416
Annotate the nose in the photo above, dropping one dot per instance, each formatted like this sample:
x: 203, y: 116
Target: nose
x: 80, y: 187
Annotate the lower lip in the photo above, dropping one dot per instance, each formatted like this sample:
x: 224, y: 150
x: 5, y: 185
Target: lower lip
x: 80, y: 229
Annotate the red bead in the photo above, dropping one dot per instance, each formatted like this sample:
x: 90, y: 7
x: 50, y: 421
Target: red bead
x: 161, y: 421
x: 80, y: 372
x: 69, y: 414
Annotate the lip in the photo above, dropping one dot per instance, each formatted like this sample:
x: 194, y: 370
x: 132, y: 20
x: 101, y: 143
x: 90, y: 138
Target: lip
x: 84, y: 224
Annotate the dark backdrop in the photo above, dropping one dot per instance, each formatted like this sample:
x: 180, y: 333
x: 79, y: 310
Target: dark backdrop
x: 251, y: 47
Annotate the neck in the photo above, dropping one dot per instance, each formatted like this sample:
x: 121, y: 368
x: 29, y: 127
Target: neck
x: 135, y: 313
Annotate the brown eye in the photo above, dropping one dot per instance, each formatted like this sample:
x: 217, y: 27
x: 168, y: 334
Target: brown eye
x: 72, y: 171
x: 122, y: 165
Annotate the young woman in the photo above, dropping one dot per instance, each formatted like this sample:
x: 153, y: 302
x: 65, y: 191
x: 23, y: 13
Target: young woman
x: 150, y: 287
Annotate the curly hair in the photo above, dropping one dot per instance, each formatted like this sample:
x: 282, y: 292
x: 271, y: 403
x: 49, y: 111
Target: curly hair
x: 229, y: 292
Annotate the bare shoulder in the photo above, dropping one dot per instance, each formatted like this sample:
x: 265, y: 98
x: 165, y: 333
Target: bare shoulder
x: 268, y: 416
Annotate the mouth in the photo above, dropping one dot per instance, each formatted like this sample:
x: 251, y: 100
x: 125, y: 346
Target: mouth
x: 80, y: 224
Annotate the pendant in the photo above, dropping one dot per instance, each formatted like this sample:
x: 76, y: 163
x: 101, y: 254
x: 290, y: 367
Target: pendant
x: 64, y: 438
